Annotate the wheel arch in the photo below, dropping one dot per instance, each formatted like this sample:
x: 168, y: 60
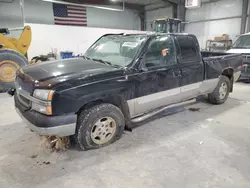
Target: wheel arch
x: 229, y: 72
x: 117, y: 100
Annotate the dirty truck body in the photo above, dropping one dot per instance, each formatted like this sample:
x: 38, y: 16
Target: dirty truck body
x: 67, y: 97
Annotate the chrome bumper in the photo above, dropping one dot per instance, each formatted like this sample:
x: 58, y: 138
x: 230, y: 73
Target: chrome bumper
x: 62, y: 130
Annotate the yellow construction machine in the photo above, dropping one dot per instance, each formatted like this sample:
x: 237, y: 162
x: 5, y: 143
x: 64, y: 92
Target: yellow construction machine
x: 13, y: 55
x: 167, y: 25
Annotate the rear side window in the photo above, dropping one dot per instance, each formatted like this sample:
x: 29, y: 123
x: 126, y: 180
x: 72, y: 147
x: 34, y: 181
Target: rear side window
x: 188, y: 49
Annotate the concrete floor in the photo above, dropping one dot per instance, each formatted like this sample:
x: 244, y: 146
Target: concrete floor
x: 209, y: 148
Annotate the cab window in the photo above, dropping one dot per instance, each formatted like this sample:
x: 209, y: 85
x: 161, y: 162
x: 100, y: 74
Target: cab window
x: 188, y: 48
x: 160, y: 52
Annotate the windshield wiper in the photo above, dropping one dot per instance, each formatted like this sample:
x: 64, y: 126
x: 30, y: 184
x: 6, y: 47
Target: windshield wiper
x: 107, y: 63
x: 85, y: 57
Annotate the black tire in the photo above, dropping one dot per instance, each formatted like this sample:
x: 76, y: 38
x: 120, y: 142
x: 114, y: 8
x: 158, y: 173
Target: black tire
x: 215, y: 97
x: 86, y: 121
x: 13, y: 56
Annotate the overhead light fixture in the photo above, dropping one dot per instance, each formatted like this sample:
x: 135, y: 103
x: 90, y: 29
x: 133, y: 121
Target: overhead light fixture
x: 86, y: 5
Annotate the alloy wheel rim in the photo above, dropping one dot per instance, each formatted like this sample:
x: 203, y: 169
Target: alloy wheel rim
x: 223, y: 90
x: 103, y: 130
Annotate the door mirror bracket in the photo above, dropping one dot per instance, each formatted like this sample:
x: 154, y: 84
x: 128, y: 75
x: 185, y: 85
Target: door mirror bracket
x: 143, y: 68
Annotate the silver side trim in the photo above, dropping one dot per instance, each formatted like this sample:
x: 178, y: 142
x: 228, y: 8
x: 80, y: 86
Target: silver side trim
x: 237, y: 76
x: 63, y: 130
x: 158, y: 96
x: 155, y: 100
x: 131, y: 106
x: 150, y: 114
x: 139, y: 106
x: 191, y: 87
x: 208, y: 86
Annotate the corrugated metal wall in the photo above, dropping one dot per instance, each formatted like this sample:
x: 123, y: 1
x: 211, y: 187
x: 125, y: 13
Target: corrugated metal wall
x: 214, y: 19
x: 41, y: 12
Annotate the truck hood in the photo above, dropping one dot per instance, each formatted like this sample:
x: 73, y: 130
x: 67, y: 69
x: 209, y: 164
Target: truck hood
x: 53, y: 72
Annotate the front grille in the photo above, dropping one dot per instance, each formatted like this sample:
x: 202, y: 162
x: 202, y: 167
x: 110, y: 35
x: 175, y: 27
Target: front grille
x: 246, y: 56
x: 26, y: 102
x: 24, y: 81
x: 27, y: 86
x: 246, y: 68
x: 22, y: 95
x: 24, y: 88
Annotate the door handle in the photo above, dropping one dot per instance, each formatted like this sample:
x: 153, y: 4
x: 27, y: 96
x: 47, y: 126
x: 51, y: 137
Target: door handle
x: 184, y: 72
x: 176, y: 73
x: 123, y: 80
x: 163, y: 69
x: 162, y: 72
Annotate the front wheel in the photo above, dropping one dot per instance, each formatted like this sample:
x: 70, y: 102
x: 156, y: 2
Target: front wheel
x: 99, y: 126
x: 221, y: 92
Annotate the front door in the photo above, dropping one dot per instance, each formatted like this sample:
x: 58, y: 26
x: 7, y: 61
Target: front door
x: 159, y: 84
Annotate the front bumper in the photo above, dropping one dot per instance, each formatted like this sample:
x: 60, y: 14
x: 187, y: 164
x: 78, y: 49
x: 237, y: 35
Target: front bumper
x: 245, y: 76
x: 245, y: 73
x: 62, y: 125
x: 61, y: 130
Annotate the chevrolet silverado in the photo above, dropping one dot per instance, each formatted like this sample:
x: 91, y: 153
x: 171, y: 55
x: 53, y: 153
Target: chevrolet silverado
x: 121, y: 79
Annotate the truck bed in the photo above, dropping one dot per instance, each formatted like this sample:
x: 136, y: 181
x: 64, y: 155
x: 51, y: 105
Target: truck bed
x: 216, y: 62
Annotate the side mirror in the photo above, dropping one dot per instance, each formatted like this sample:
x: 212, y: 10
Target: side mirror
x: 143, y: 69
x: 11, y: 92
x: 141, y: 64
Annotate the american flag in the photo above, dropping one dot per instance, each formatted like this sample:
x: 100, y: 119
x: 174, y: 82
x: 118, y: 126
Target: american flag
x: 69, y: 15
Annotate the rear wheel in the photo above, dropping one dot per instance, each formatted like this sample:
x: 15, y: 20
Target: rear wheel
x: 99, y: 126
x: 221, y: 92
x: 10, y: 62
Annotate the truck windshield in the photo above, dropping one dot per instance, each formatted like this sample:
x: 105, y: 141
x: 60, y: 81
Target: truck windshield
x: 242, y: 42
x: 117, y: 50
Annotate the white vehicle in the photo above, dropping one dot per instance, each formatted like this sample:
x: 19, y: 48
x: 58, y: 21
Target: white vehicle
x: 242, y: 46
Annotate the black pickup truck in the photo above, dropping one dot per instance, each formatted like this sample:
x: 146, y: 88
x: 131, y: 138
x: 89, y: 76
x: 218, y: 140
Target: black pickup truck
x: 122, y: 79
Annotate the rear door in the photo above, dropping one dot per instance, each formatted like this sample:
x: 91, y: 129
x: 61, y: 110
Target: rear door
x: 192, y: 67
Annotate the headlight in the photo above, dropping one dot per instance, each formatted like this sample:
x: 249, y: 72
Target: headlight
x: 43, y: 94
x: 46, y: 96
x: 42, y: 109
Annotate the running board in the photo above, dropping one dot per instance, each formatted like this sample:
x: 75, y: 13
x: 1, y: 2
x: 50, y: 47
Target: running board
x: 150, y: 114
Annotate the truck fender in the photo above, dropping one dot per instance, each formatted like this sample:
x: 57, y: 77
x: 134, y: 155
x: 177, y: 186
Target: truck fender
x: 101, y: 97
x: 229, y: 72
